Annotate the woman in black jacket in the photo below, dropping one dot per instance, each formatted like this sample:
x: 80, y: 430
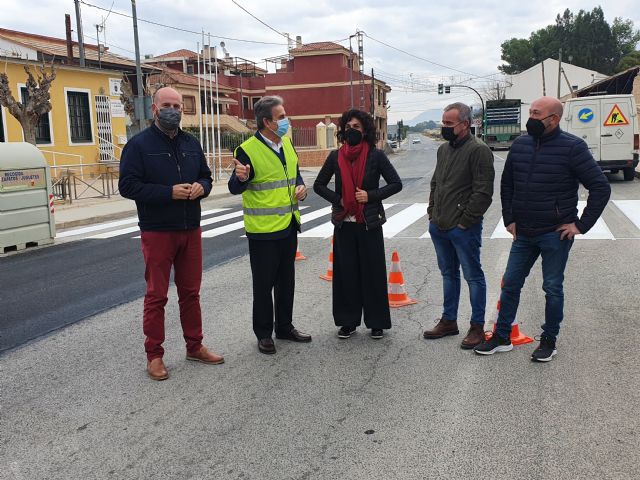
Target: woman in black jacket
x: 359, y: 265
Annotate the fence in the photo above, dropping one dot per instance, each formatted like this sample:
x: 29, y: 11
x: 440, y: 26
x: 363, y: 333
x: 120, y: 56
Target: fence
x: 71, y: 182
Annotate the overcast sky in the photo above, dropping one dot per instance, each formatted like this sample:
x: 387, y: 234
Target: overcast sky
x: 463, y: 35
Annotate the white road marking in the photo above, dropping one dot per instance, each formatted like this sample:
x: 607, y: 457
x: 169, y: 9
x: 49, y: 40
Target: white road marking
x: 404, y: 219
x: 631, y: 209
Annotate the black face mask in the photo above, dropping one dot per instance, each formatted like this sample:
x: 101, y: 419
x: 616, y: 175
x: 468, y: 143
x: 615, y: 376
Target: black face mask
x: 352, y: 136
x: 447, y: 133
x: 536, y: 127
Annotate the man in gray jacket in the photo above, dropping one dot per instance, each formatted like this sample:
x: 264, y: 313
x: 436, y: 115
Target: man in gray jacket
x: 461, y: 192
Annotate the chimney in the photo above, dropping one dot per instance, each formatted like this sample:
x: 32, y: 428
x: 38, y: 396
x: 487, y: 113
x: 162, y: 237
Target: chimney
x: 67, y: 27
x: 298, y: 41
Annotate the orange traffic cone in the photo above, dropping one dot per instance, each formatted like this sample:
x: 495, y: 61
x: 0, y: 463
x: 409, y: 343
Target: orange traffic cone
x: 329, y: 276
x: 299, y: 255
x: 517, y: 337
x: 397, y: 294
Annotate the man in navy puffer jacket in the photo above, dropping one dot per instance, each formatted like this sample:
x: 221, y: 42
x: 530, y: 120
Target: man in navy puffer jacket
x: 539, y: 193
x: 164, y: 170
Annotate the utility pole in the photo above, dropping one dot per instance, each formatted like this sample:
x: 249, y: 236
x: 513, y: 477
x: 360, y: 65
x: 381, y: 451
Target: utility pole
x: 361, y: 68
x: 373, y: 95
x: 98, y: 28
x: 559, y: 69
x: 139, y: 100
x: 79, y: 32
x: 351, y: 70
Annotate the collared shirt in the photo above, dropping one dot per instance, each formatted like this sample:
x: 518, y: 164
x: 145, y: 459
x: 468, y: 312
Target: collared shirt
x: 275, y: 146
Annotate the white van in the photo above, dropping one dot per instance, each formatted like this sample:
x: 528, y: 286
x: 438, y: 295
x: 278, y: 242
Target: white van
x: 609, y: 125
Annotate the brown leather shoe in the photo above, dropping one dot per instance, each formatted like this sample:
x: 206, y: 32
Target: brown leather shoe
x: 266, y: 345
x: 442, y: 329
x: 205, y: 356
x: 156, y: 369
x: 295, y: 336
x: 475, y: 336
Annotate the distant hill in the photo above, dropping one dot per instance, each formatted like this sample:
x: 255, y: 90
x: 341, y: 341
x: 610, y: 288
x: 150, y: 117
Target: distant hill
x: 434, y: 114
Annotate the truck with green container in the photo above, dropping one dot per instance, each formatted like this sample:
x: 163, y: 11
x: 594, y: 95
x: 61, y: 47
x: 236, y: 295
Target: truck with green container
x: 501, y: 123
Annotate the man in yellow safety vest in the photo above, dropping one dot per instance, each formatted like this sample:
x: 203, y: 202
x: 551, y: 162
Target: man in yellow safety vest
x: 268, y: 177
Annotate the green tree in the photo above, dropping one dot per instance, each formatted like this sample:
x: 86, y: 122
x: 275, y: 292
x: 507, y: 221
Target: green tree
x: 631, y: 60
x: 585, y: 37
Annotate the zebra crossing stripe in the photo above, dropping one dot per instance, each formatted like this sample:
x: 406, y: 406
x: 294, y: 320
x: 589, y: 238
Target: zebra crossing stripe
x: 402, y: 220
x: 600, y: 230
x: 96, y: 228
x: 124, y: 231
x: 631, y: 209
x: 216, y: 232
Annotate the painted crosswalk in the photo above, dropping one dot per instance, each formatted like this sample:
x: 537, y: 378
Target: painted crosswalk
x: 600, y: 231
x: 404, y: 221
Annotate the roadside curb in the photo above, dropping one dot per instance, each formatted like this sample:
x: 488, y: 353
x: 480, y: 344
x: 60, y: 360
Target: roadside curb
x: 81, y: 222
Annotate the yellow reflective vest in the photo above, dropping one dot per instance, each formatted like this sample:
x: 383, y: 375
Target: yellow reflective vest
x: 269, y: 202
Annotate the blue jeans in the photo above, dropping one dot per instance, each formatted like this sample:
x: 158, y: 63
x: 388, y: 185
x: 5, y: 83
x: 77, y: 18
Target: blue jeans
x: 524, y: 253
x: 456, y: 248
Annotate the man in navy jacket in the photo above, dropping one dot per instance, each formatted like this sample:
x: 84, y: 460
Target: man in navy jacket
x: 164, y: 170
x: 539, y: 193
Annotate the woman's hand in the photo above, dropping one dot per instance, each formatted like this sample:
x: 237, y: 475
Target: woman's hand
x: 361, y: 196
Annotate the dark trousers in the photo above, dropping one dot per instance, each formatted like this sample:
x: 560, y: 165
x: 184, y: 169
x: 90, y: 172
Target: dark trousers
x: 524, y: 253
x: 183, y: 251
x: 360, y: 277
x: 274, y: 281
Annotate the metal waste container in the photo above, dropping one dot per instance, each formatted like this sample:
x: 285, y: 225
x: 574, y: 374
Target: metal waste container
x: 26, y: 200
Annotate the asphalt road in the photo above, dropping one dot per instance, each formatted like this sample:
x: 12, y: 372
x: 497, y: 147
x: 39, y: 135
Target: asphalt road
x: 77, y: 403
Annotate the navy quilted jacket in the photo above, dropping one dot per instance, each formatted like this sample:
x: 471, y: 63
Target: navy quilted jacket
x: 539, y: 187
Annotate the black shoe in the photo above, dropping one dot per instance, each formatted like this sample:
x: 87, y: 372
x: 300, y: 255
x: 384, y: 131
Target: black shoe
x: 346, y: 332
x: 495, y: 344
x: 295, y: 336
x: 377, y: 333
x: 545, y: 351
x: 266, y: 345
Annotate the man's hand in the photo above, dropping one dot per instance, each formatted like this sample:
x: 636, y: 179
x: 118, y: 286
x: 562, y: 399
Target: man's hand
x: 301, y: 192
x: 568, y: 231
x: 511, y: 228
x: 242, y: 171
x: 461, y: 227
x: 181, y: 191
x: 361, y: 196
x: 197, y: 190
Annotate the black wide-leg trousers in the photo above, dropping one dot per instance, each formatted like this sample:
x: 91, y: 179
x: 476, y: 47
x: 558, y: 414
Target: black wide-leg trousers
x: 360, y: 277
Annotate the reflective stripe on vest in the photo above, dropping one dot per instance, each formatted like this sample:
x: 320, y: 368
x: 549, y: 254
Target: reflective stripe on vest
x: 269, y: 202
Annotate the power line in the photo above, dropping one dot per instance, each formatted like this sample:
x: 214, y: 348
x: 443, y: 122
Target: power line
x: 110, y: 44
x: 416, y: 56
x: 158, y: 24
x: 256, y: 18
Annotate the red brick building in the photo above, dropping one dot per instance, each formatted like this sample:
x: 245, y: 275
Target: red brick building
x: 316, y: 81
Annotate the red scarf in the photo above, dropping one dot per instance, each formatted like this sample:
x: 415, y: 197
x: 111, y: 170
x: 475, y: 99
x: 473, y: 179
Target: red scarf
x: 352, y: 160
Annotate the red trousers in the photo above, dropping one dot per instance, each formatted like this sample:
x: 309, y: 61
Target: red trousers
x: 183, y: 251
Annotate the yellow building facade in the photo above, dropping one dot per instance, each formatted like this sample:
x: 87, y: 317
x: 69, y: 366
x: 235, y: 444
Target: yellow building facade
x: 86, y: 127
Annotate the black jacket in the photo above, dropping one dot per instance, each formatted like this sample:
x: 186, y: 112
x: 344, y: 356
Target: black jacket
x: 151, y: 164
x: 377, y: 165
x: 539, y: 187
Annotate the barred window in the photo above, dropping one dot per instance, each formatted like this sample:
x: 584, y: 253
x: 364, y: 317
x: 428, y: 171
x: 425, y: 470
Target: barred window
x: 79, y: 117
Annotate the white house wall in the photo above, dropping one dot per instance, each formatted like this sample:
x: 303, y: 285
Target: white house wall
x: 14, y: 50
x: 528, y: 85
